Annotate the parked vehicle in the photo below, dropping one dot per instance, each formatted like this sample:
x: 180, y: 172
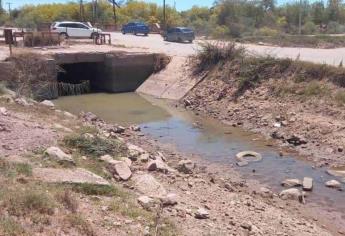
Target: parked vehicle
x: 72, y: 29
x: 179, y: 34
x: 135, y: 28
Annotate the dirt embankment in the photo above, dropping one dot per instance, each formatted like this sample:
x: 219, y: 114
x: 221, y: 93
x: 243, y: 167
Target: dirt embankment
x: 299, y: 105
x: 99, y: 183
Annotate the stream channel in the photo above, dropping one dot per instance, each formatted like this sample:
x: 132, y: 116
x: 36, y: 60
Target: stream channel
x: 210, y: 140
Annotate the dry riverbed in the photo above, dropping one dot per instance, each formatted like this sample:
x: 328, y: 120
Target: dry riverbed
x: 82, y: 176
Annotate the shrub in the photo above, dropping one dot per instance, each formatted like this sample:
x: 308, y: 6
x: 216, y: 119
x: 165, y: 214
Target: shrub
x: 68, y: 200
x: 95, y: 147
x: 78, y: 222
x: 221, y: 31
x: 265, y: 31
x: 309, y: 28
x: 100, y: 190
x: 40, y: 39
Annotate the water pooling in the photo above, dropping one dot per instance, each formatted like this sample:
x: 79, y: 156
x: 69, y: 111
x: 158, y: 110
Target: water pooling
x: 207, y: 138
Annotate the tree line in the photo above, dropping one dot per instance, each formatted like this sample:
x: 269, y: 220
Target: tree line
x: 226, y: 18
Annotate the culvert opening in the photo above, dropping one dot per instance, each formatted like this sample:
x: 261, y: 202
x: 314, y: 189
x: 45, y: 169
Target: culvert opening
x: 77, y: 78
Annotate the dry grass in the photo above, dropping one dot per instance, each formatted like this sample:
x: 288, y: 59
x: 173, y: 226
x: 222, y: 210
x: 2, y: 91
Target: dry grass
x: 40, y: 39
x: 160, y: 62
x: 78, y: 222
x: 340, y: 97
x: 67, y: 199
x: 245, y: 72
x: 27, y: 201
x: 9, y: 227
x: 9, y: 170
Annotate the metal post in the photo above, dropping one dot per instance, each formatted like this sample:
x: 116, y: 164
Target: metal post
x: 300, y: 18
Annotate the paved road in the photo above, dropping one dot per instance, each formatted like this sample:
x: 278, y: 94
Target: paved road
x: 155, y: 43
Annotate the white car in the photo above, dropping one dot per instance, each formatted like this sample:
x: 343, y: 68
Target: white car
x: 72, y: 29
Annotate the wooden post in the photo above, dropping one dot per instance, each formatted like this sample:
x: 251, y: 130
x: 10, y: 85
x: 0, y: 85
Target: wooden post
x: 9, y: 38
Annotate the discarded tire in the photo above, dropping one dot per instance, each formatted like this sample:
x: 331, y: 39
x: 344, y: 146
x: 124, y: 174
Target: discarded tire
x: 248, y: 156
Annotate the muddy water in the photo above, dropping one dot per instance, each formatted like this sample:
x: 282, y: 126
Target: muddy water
x: 209, y: 139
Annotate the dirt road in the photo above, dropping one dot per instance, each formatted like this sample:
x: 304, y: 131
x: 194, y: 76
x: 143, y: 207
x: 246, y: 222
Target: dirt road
x: 155, y: 43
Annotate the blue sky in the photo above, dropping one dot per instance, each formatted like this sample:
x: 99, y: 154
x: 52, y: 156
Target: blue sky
x: 180, y: 4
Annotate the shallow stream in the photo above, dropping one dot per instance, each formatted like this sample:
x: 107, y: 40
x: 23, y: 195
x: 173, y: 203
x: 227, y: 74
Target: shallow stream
x: 209, y: 139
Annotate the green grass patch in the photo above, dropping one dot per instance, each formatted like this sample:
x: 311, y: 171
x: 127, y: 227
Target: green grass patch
x: 98, y: 190
x: 11, y: 170
x: 128, y: 208
x: 9, y: 227
x: 94, y: 147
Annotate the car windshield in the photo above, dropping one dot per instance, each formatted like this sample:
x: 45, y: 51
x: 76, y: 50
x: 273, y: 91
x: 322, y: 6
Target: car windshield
x: 186, y: 30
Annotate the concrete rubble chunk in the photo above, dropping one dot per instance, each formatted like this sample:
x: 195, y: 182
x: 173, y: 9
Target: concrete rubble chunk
x: 201, y: 213
x: 333, y: 184
x: 57, y: 154
x: 186, y: 166
x: 146, y: 202
x: 292, y: 194
x: 291, y: 183
x: 266, y: 193
x: 307, y: 184
x: 121, y: 169
x: 47, y: 103
x: 144, y: 157
x: 3, y: 111
x: 75, y: 176
x: 148, y: 185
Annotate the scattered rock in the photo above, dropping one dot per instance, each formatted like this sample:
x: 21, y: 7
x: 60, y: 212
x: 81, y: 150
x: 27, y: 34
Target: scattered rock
x: 23, y: 102
x: 292, y: 194
x: 144, y: 157
x: 242, y: 163
x: 88, y: 136
x: 246, y: 226
x: 291, y: 183
x: 307, y: 184
x: 201, y: 213
x: 296, y: 140
x: 169, y: 200
x: 158, y: 165
x: 126, y: 160
x: 148, y: 185
x: 57, y: 154
x: 63, y: 128
x: 3, y: 111
x: 333, y: 184
x: 48, y: 103
x: 106, y: 158
x: 135, y: 128
x: 186, y: 166
x: 266, y: 193
x: 146, y: 202
x: 134, y: 151
x: 69, y: 115
x: 121, y: 169
x: 336, y: 173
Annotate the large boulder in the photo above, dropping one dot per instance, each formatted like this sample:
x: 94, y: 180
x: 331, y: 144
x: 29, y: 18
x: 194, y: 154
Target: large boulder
x: 333, y: 184
x: 148, y: 185
x: 57, y: 154
x: 121, y: 169
x: 292, y: 194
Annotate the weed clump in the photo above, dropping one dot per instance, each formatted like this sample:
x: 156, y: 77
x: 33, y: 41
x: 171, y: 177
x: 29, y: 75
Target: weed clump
x: 8, y: 169
x: 67, y: 199
x: 98, y: 190
x: 26, y: 201
x: 9, y: 227
x: 96, y: 146
x: 78, y: 222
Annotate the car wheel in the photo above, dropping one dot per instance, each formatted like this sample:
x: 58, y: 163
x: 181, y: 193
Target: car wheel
x: 135, y: 33
x: 63, y: 36
x: 123, y: 32
x: 146, y: 34
x: 190, y: 41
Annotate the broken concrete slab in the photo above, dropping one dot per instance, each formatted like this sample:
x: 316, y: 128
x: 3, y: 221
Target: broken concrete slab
x: 307, y: 184
x: 73, y: 176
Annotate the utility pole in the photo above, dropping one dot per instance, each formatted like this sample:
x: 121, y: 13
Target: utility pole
x: 9, y: 8
x: 164, y: 16
x: 81, y: 10
x: 300, y: 18
x: 1, y: 9
x: 114, y: 12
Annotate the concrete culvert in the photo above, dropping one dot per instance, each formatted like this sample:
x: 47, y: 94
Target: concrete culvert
x: 248, y: 156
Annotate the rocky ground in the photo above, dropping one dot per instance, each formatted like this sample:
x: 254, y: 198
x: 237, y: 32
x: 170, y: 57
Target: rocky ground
x: 81, y: 176
x: 313, y: 126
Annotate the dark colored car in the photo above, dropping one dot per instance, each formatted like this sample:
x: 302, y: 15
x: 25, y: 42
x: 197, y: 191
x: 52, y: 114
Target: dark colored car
x: 135, y: 28
x: 179, y: 34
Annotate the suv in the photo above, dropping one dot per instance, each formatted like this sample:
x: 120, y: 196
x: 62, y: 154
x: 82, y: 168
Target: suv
x: 135, y: 28
x: 75, y: 29
x: 179, y: 34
